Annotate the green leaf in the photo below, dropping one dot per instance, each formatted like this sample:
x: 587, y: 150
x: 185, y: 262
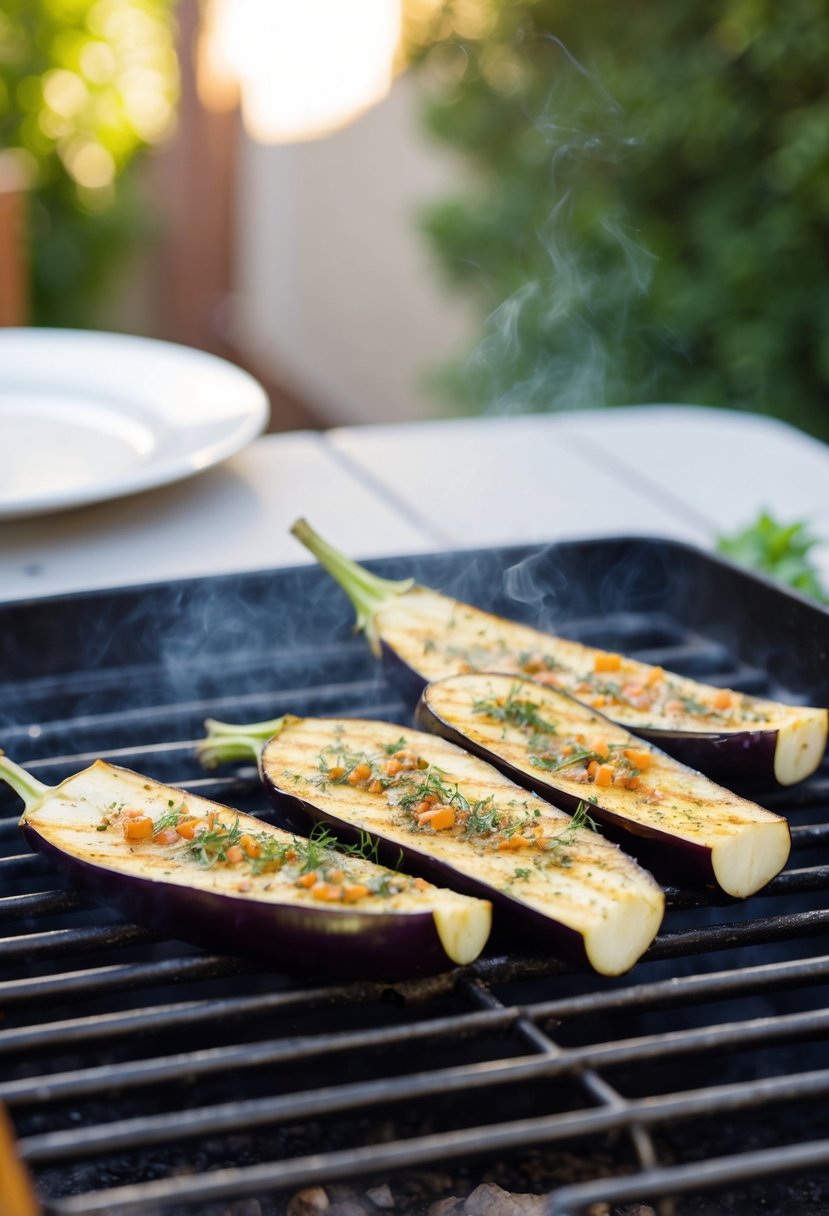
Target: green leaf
x: 778, y: 550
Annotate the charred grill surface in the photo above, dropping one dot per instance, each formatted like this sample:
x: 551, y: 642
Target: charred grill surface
x: 145, y: 1076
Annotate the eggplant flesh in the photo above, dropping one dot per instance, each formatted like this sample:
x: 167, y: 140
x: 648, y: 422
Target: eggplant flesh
x: 424, y: 636
x: 295, y: 903
x: 563, y: 886
x: 547, y: 739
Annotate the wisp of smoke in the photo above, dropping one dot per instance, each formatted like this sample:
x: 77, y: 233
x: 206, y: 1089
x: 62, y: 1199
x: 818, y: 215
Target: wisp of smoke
x: 556, y: 342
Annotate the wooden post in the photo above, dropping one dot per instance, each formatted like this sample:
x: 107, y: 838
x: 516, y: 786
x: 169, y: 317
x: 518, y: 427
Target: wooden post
x: 14, y: 262
x: 193, y: 183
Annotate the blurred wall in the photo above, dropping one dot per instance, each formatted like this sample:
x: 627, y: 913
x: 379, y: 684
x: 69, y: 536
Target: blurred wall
x: 336, y: 295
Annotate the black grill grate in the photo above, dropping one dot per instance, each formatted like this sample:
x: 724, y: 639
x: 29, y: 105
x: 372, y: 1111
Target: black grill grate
x: 143, y: 1076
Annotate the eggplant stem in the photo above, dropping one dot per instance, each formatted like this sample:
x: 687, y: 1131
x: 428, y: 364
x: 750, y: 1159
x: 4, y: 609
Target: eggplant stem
x: 24, y: 784
x: 227, y: 741
x: 367, y: 592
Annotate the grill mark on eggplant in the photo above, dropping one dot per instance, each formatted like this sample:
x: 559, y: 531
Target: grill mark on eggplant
x: 386, y: 934
x: 590, y: 885
x: 690, y: 812
x: 423, y: 635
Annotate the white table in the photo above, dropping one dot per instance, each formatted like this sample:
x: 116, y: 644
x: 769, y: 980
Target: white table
x: 679, y: 471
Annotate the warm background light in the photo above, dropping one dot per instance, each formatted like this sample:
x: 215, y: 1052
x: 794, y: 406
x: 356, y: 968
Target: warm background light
x: 303, y: 70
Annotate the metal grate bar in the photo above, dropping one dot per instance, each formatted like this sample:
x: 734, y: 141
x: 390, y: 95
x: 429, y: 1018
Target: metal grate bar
x: 41, y: 903
x: 223, y: 1059
x: 687, y: 989
x: 158, y: 1019
x: 446, y: 1146
x: 77, y: 760
x: 684, y: 990
x: 750, y: 933
x: 813, y: 833
x: 209, y: 707
x: 808, y: 878
x: 700, y: 1175
x: 555, y: 1062
x: 55, y: 943
x: 96, y: 981
x: 814, y: 792
x: 23, y: 863
x: 596, y: 1086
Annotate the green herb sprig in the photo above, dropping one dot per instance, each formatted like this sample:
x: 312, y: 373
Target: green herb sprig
x: 779, y: 550
x: 516, y: 711
x: 211, y: 845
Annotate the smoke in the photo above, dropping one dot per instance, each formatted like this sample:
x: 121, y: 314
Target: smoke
x: 567, y: 337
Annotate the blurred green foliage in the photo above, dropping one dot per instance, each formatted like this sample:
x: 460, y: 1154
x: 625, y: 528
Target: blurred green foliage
x: 84, y: 84
x: 780, y: 550
x: 648, y: 214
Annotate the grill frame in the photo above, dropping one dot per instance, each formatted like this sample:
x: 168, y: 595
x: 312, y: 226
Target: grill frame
x: 198, y: 648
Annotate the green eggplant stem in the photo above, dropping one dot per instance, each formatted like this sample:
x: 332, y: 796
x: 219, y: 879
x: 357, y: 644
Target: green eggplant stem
x: 367, y: 592
x: 227, y: 741
x: 24, y: 784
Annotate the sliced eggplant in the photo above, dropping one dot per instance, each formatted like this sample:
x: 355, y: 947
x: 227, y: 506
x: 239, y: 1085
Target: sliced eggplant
x: 424, y: 636
x: 458, y: 821
x: 198, y: 871
x: 545, y: 738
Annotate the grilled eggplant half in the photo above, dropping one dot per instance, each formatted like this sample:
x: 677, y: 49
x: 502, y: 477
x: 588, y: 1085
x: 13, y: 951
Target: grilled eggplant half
x: 545, y: 738
x: 201, y: 872
x: 456, y: 820
x: 424, y: 636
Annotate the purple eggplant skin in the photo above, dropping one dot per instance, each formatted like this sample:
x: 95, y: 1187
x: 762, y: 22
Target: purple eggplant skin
x: 540, y: 930
x: 740, y: 758
x: 193, y: 869
x: 744, y: 758
x: 666, y: 853
x: 349, y: 945
x: 369, y: 946
x: 410, y: 627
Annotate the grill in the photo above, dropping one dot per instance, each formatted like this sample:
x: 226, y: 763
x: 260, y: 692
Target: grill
x: 146, y: 1076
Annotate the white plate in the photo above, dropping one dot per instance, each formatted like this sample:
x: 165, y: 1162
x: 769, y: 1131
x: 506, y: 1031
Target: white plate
x: 90, y: 416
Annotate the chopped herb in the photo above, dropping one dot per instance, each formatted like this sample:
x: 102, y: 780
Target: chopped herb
x: 484, y: 818
x: 552, y: 764
x: 581, y: 818
x: 367, y: 847
x: 606, y: 688
x: 530, y: 661
x: 341, y: 758
x: 170, y: 819
x: 522, y: 873
x: 316, y: 849
x: 517, y: 826
x: 391, y: 748
x: 211, y: 845
x: 432, y: 783
x: 272, y: 855
x: 516, y: 712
